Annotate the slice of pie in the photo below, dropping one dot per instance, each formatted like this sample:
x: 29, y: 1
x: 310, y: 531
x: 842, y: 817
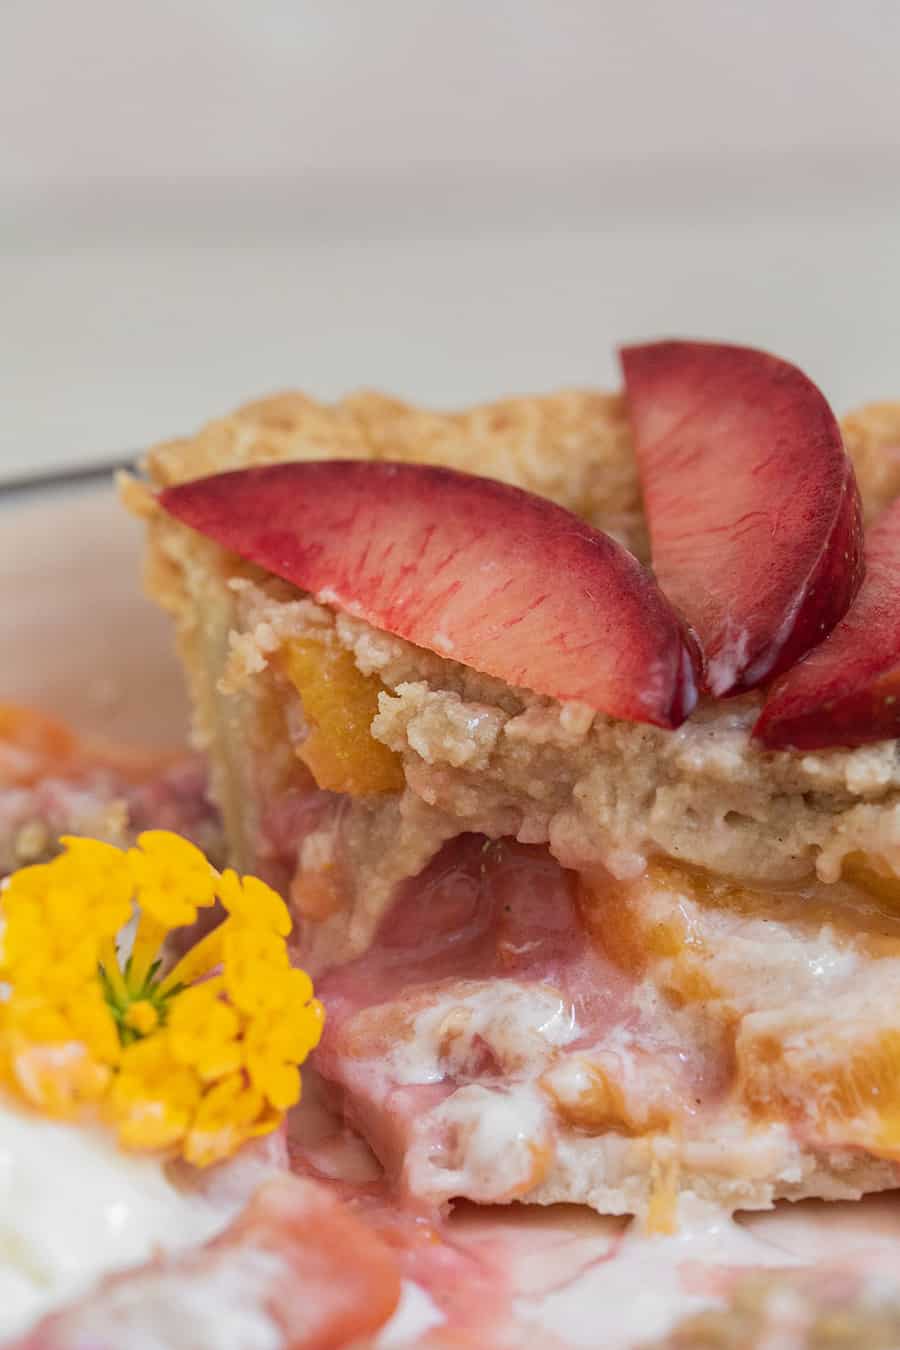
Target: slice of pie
x: 586, y: 926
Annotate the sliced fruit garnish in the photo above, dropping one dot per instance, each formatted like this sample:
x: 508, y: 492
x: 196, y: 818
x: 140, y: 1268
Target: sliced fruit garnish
x: 847, y: 692
x: 475, y: 570
x: 752, y: 505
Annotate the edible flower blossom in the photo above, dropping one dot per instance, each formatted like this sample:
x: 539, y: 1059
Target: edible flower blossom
x: 194, y: 1057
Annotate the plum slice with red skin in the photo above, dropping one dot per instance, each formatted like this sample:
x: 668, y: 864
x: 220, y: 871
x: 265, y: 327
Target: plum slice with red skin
x: 847, y: 691
x: 752, y: 504
x: 478, y: 571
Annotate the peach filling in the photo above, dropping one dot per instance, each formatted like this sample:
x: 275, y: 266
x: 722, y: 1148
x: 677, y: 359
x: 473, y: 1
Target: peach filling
x: 637, y: 938
x: 480, y: 1026
x: 826, y: 1061
x: 588, y: 1096
x: 505, y: 999
x: 875, y: 878
x: 842, y: 1085
x: 675, y: 939
x: 339, y: 703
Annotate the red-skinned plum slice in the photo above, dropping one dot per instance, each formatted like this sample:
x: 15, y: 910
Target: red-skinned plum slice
x: 753, y: 509
x: 847, y: 691
x: 480, y: 572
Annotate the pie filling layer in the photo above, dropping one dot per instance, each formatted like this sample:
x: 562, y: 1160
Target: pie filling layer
x: 566, y: 958
x: 516, y: 1031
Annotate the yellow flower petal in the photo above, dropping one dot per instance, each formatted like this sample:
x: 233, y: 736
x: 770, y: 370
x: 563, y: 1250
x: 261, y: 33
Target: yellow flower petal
x: 254, y: 903
x: 54, y: 971
x: 23, y: 929
x: 100, y: 873
x: 37, y: 1019
x: 148, y: 940
x: 28, y: 882
x: 254, y: 962
x: 153, y: 1099
x: 296, y: 990
x: 274, y: 1047
x: 91, y: 1022
x: 202, y: 958
x: 109, y: 962
x: 203, y: 1032
x: 270, y: 1070
x: 229, y: 1114
x: 82, y: 897
x: 148, y: 1059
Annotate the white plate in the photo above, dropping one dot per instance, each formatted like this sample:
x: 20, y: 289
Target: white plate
x: 78, y: 636
x: 79, y: 639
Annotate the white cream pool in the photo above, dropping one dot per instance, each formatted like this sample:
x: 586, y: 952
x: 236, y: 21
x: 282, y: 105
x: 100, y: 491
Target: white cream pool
x: 73, y: 1207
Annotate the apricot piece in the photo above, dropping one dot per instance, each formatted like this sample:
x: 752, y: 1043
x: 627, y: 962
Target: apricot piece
x: 339, y: 703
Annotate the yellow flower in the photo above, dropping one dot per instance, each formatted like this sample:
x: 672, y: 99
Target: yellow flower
x: 197, y: 1059
x: 254, y: 903
x: 153, y: 1099
x: 231, y: 1113
x: 203, y: 1032
x: 173, y: 878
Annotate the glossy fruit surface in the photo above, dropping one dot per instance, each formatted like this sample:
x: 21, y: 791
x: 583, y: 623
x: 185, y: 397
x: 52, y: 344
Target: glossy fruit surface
x: 475, y: 570
x: 753, y: 509
x: 847, y: 692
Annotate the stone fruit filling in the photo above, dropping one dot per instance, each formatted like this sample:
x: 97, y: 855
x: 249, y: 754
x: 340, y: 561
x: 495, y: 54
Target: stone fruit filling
x: 595, y: 860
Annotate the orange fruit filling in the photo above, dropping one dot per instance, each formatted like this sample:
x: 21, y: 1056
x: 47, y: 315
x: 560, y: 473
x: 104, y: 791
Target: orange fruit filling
x: 866, y: 911
x: 38, y: 744
x: 339, y: 703
x: 832, y: 1086
x: 316, y: 895
x: 874, y: 879
x: 864, y: 908
x: 662, y: 1208
x: 615, y: 914
x: 844, y: 1083
x: 600, y: 1105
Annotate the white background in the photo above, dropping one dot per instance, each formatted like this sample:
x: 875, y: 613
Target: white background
x: 201, y: 200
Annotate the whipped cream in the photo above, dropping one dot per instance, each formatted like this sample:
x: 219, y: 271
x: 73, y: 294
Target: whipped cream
x: 74, y: 1206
